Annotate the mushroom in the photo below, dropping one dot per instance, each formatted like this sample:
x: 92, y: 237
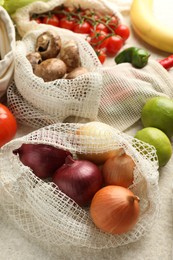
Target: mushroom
x: 51, y: 69
x: 70, y: 55
x: 48, y: 44
x: 34, y: 58
x: 76, y: 72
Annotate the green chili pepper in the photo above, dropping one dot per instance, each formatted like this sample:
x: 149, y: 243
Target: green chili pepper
x: 136, y: 56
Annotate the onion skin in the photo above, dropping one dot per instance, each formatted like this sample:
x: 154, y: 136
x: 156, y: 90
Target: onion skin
x: 43, y: 159
x: 118, y: 170
x: 79, y: 180
x: 97, y: 158
x: 115, y: 209
x: 97, y: 130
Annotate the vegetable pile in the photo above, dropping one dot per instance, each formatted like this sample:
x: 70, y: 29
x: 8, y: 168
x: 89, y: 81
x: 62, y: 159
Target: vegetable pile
x: 53, y: 60
x: 104, y: 32
x: 102, y: 182
x: 103, y: 186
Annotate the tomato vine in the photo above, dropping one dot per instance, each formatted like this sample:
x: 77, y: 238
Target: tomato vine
x: 104, y: 33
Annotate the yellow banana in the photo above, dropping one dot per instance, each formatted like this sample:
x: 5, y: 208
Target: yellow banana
x: 148, y: 27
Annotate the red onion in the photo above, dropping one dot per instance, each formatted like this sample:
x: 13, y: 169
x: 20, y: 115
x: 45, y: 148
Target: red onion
x: 78, y: 179
x: 43, y: 159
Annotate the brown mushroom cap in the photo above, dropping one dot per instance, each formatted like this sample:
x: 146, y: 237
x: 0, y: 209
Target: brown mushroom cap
x: 70, y: 55
x: 34, y: 58
x: 48, y: 44
x: 51, y: 69
x: 76, y: 72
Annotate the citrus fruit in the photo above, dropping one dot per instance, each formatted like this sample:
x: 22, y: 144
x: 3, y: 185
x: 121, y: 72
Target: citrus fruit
x: 159, y: 140
x: 158, y: 112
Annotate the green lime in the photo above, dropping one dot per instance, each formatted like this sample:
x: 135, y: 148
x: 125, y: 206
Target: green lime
x: 158, y: 112
x: 159, y: 140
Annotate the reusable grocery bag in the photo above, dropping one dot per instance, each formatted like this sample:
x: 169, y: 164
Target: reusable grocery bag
x: 7, y: 38
x: 49, y: 216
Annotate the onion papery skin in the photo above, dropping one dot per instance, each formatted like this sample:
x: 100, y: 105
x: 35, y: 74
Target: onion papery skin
x: 98, y: 158
x: 79, y: 179
x: 97, y: 130
x: 42, y: 159
x: 119, y: 170
x: 115, y: 209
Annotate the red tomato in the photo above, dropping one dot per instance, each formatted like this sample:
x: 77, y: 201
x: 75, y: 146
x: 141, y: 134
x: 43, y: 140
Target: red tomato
x: 101, y: 55
x: 60, y: 16
x: 52, y: 20
x: 83, y: 27
x: 90, y: 13
x: 112, y: 22
x: 60, y: 11
x: 101, y: 27
x: 98, y: 39
x: 123, y: 31
x: 38, y: 20
x: 8, y: 125
x: 114, y: 44
x: 67, y: 23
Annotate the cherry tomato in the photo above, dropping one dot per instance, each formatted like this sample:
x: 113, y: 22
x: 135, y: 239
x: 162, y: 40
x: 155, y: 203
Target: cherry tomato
x: 67, y: 23
x: 123, y: 31
x: 112, y: 22
x: 83, y: 27
x: 101, y: 27
x: 98, y: 39
x: 51, y: 20
x: 114, y: 44
x: 60, y: 16
x: 90, y: 13
x: 8, y: 125
x: 101, y: 55
x: 60, y: 11
x: 38, y: 20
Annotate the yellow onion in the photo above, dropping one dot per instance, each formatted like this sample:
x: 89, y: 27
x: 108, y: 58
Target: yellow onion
x: 95, y: 151
x: 115, y: 209
x: 118, y: 170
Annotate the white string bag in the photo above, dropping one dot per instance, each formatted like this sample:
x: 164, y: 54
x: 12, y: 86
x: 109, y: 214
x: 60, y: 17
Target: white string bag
x: 46, y: 214
x: 39, y: 103
x: 117, y: 101
x: 119, y: 90
x: 126, y: 90
x: 22, y: 16
x: 7, y: 37
x: 123, y: 5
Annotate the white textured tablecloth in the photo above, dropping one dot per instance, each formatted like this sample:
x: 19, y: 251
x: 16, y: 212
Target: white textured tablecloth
x: 156, y: 245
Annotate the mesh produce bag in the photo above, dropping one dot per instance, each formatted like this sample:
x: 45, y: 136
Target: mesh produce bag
x: 7, y: 36
x: 22, y: 16
x: 115, y: 96
x: 43, y: 212
x: 39, y: 103
x: 126, y: 90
